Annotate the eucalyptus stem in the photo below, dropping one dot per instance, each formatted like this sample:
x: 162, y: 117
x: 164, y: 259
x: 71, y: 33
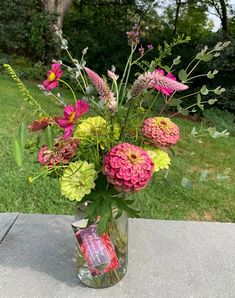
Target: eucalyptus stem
x: 80, y: 73
x: 125, y: 120
x: 150, y: 107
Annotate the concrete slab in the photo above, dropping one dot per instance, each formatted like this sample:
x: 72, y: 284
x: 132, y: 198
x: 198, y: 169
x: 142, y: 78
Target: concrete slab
x: 6, y: 221
x: 166, y: 259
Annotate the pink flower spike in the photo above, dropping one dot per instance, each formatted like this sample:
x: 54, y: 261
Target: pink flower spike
x: 53, y: 76
x: 71, y: 114
x: 105, y: 93
x: 166, y: 91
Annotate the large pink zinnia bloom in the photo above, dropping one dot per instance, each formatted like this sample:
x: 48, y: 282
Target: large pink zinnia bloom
x: 128, y: 167
x: 160, y: 131
x: 71, y: 114
x: 53, y: 76
x: 165, y: 90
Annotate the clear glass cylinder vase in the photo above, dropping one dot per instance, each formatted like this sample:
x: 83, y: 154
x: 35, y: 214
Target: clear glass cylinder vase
x: 102, y: 259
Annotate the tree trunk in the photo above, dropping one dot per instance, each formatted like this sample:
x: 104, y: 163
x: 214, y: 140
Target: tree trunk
x: 58, y: 6
x: 223, y: 16
x: 178, y: 3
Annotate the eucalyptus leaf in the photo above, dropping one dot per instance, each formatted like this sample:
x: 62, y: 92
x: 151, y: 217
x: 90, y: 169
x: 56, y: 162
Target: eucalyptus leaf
x: 177, y: 60
x: 194, y: 131
x: 204, y: 175
x: 204, y: 90
x: 212, y: 101
x: 174, y: 102
x: 186, y: 183
x: 182, y: 75
x: 206, y: 57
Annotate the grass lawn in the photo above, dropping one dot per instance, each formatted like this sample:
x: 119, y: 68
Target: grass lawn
x: 210, y: 200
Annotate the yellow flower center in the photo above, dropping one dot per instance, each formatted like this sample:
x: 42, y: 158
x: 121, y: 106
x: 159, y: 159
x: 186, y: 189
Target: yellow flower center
x: 134, y: 158
x: 72, y: 117
x: 51, y: 77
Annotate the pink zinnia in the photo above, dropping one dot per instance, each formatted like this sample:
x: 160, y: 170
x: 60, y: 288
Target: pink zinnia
x: 71, y: 114
x: 53, y: 76
x: 61, y: 153
x: 165, y: 90
x: 160, y: 131
x: 128, y: 167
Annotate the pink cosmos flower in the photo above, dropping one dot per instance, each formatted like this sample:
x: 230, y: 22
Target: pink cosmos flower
x: 164, y: 90
x: 53, y: 76
x: 71, y: 114
x: 128, y: 167
x: 160, y: 131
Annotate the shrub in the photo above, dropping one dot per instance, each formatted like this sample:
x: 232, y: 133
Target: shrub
x: 220, y: 119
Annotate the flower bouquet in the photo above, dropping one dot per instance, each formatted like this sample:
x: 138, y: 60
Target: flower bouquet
x: 108, y: 144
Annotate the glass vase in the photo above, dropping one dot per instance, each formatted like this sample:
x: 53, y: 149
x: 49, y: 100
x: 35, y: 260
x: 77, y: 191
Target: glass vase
x: 102, y: 259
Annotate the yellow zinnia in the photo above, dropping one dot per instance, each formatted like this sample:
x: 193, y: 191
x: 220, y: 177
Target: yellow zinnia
x: 160, y: 158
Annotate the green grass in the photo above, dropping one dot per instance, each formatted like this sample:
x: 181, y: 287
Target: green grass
x: 212, y: 199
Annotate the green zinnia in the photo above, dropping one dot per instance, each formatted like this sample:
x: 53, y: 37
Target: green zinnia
x: 78, y: 180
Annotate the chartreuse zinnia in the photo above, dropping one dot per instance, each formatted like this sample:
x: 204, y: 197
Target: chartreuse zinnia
x: 78, y: 180
x: 95, y: 130
x: 159, y: 157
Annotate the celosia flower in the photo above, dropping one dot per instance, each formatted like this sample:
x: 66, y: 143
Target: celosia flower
x: 53, y: 76
x: 165, y: 90
x: 128, y: 167
x: 160, y: 131
x: 105, y: 93
x: 71, y: 114
x: 95, y: 130
x: 159, y: 157
x: 155, y: 80
x: 61, y: 153
x: 78, y: 180
x: 40, y: 124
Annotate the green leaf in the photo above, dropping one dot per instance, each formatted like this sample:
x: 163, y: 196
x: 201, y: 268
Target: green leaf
x: 217, y: 54
x: 219, y: 90
x: 49, y: 137
x: 186, y: 183
x: 210, y: 75
x: 199, y: 98
x: 204, y: 175
x: 22, y: 135
x: 177, y: 60
x: 167, y: 68
x: 18, y: 152
x: 182, y: 75
x: 212, y: 101
x: 204, y: 90
x: 206, y: 57
x: 174, y: 102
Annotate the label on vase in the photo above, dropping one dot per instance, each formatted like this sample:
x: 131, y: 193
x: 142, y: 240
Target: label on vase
x: 97, y: 250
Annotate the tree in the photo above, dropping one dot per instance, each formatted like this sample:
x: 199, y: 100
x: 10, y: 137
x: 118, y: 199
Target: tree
x: 59, y: 7
x: 220, y: 7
